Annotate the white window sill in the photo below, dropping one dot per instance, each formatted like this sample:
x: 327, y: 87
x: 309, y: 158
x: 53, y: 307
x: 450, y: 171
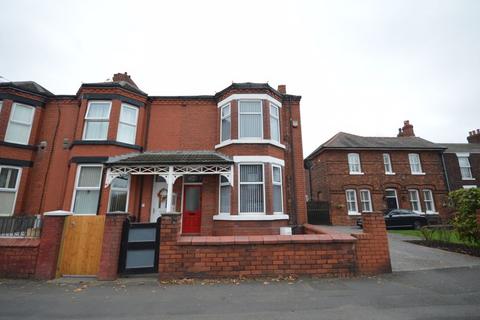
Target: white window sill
x: 418, y: 173
x: 432, y: 212
x: 356, y: 173
x: 16, y: 142
x: 390, y: 173
x: 250, y: 217
x: 248, y: 141
x: 350, y: 213
x: 468, y: 179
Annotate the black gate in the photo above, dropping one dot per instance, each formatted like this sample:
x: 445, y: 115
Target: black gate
x: 318, y: 212
x: 140, y: 247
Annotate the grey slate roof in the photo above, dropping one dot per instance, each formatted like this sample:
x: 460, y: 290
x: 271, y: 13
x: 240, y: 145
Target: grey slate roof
x: 344, y: 140
x: 171, y: 157
x: 461, y: 147
x: 119, y: 84
x: 29, y: 86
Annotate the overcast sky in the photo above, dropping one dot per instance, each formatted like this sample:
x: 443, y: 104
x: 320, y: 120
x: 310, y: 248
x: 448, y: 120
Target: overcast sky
x: 361, y: 66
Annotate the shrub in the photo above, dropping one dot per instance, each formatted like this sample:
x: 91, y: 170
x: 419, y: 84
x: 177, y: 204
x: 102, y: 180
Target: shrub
x: 466, y: 202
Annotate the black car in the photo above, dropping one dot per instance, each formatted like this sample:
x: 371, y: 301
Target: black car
x: 401, y: 218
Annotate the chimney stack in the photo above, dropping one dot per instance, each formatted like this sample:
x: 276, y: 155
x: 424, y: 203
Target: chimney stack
x: 123, y: 77
x: 282, y: 89
x: 407, y: 130
x: 474, y: 136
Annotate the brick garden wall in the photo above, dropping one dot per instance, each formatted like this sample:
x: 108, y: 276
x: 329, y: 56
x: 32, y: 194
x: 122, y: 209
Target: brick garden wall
x: 18, y: 257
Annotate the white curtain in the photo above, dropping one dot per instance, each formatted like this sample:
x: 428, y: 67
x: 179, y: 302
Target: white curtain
x: 89, y: 177
x: 251, y: 188
x: 86, y: 201
x: 251, y: 121
x: 7, y: 200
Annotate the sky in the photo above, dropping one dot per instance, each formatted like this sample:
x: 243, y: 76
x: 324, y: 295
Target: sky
x: 361, y: 67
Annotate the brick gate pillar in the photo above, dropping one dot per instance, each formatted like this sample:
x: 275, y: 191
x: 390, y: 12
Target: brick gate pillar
x: 50, y: 242
x: 168, y: 258
x: 112, y: 238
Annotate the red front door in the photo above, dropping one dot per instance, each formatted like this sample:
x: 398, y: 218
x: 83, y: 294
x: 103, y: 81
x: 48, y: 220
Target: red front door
x: 192, y: 209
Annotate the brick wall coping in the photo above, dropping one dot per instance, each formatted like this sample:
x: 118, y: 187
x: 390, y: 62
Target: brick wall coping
x: 267, y: 239
x: 19, y: 242
x: 58, y: 213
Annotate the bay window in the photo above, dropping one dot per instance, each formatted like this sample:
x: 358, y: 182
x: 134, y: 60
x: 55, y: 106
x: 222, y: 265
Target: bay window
x: 97, y: 120
x: 415, y: 165
x: 352, y: 207
x: 226, y: 123
x: 428, y: 200
x: 366, y: 200
x: 127, y: 126
x: 250, y: 119
x: 87, y: 189
x: 414, y: 200
x: 9, y: 181
x: 277, y: 189
x: 20, y: 124
x: 225, y: 192
x: 251, y: 188
x: 118, y: 201
x: 354, y: 163
x: 274, y: 123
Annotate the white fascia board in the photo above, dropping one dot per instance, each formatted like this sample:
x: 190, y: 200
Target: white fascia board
x: 257, y: 159
x: 249, y: 96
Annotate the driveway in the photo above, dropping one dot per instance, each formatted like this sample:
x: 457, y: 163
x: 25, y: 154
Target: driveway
x: 452, y: 293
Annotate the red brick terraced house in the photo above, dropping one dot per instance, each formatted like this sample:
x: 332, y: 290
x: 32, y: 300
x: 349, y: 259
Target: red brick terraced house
x: 462, y: 162
x: 230, y: 162
x: 356, y: 174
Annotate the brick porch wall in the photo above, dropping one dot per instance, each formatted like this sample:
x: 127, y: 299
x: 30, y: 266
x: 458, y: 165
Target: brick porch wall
x: 18, y: 257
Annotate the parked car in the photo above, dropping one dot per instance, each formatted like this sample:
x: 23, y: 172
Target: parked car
x: 401, y: 218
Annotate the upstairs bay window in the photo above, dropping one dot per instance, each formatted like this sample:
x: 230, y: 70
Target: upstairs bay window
x: 251, y: 189
x: 250, y: 119
x: 118, y: 201
x: 97, y: 120
x: 415, y: 165
x: 226, y: 123
x: 274, y: 123
x: 277, y: 189
x: 87, y: 189
x: 127, y: 126
x: 20, y: 124
x: 354, y: 163
x: 9, y: 181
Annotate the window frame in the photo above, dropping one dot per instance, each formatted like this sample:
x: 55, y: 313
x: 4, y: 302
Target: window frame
x: 112, y: 188
x: 277, y: 183
x: 420, y: 172
x: 369, y: 201
x: 276, y: 118
x: 418, y: 200
x: 386, y: 156
x: 359, y: 163
x: 77, y: 177
x: 352, y: 213
x: 15, y: 190
x: 239, y: 102
x: 469, y: 167
x: 229, y: 105
x: 240, y: 183
x: 28, y: 123
x: 120, y: 122
x: 220, y: 185
x: 1, y: 105
x: 86, y: 119
x: 432, y: 201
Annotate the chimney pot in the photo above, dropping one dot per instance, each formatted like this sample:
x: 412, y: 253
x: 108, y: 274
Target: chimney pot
x: 407, y: 130
x: 474, y: 136
x: 282, y: 88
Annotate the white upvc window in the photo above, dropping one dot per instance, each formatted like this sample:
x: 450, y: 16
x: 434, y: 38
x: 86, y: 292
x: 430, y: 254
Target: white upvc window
x: 127, y: 125
x: 9, y: 182
x: 352, y: 206
x: 465, y: 168
x: 97, y: 120
x: 87, y: 189
x: 366, y: 200
x: 414, y: 200
x: 415, y: 165
x: 225, y: 195
x: 274, y: 122
x: 387, y: 163
x: 119, y: 190
x: 428, y: 200
x: 354, y: 163
x: 277, y: 189
x: 1, y: 106
x: 250, y: 119
x: 225, y: 122
x: 252, y: 189
x: 20, y: 124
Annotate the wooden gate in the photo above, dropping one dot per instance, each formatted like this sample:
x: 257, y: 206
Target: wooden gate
x: 81, y: 246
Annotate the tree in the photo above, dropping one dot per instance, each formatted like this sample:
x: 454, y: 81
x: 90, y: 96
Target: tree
x: 466, y: 202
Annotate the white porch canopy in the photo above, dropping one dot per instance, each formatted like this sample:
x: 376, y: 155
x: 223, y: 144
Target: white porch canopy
x: 170, y: 166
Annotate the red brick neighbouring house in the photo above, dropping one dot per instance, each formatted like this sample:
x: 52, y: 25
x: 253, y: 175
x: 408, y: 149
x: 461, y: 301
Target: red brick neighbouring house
x: 462, y: 162
x: 356, y: 174
x: 230, y: 162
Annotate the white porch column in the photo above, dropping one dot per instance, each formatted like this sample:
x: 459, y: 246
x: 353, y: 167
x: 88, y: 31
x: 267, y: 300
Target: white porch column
x: 170, y: 180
